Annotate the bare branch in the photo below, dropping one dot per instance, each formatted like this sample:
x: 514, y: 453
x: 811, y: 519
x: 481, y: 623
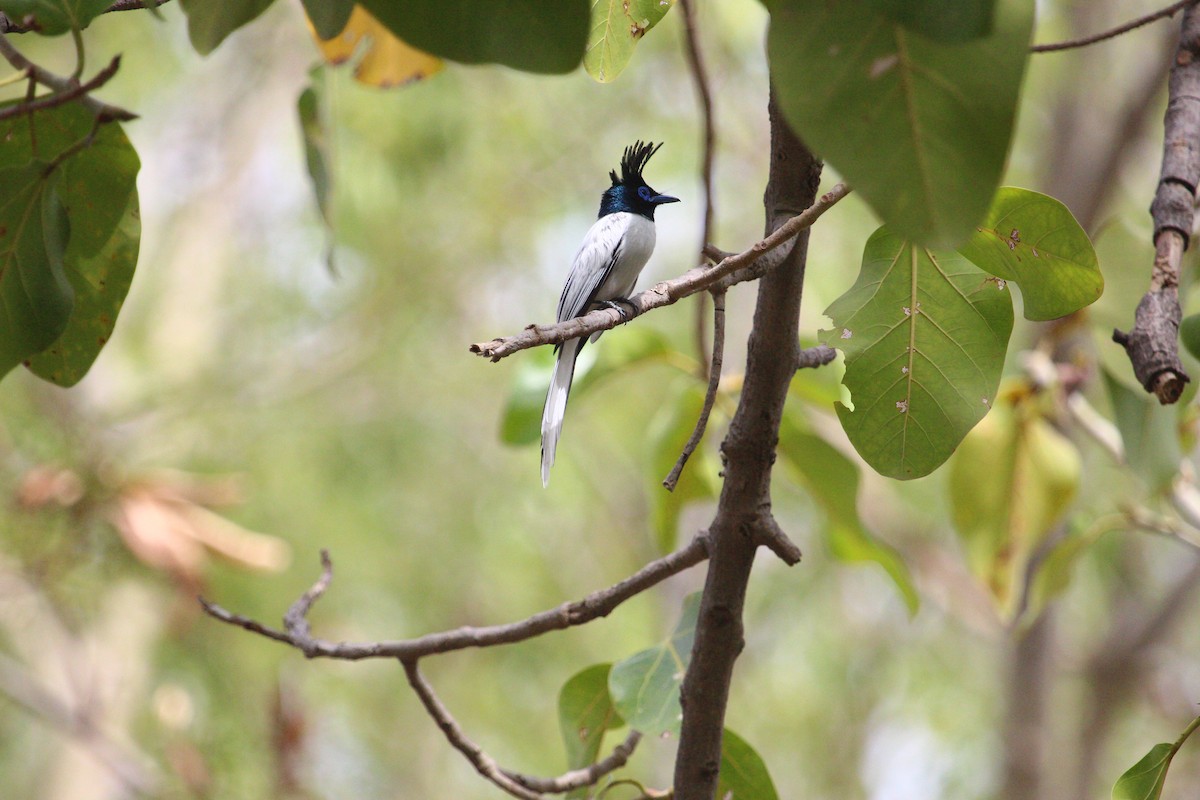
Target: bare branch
x: 700, y: 78
x: 578, y: 778
x: 130, y: 769
x: 595, y: 605
x: 710, y: 396
x: 772, y: 537
x: 484, y: 764
x: 1112, y: 33
x: 65, y: 89
x: 1153, y: 343
x: 665, y: 293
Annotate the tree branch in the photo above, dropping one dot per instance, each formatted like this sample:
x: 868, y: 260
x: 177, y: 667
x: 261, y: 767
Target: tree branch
x: 66, y: 89
x: 1112, y: 33
x: 484, y: 764
x: 9, y: 25
x: 710, y: 396
x: 1153, y: 343
x: 743, y: 520
x: 700, y: 78
x: 731, y: 270
x: 595, y: 605
x: 578, y: 778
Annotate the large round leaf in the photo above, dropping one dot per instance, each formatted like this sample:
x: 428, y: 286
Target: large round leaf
x: 920, y: 128
x: 618, y: 25
x: 924, y: 333
x: 1034, y: 240
x: 531, y: 35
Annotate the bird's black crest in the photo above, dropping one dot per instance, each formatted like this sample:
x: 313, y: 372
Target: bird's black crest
x: 633, y: 162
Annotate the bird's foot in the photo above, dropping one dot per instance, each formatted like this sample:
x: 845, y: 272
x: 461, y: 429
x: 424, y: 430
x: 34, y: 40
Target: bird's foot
x: 618, y: 304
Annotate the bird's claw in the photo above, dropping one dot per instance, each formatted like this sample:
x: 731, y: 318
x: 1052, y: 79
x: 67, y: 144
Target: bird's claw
x: 617, y: 306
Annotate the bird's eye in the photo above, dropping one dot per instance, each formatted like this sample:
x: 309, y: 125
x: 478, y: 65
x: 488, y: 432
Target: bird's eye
x: 644, y: 192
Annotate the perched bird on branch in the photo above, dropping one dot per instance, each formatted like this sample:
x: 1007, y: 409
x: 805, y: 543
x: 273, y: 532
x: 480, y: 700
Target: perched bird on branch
x: 604, y: 271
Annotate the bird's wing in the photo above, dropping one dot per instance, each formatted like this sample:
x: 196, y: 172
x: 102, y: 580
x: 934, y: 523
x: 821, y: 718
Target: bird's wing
x: 593, y: 263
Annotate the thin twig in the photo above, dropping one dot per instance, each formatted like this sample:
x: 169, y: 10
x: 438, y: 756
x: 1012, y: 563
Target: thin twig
x: 484, y: 764
x: 579, y: 778
x: 295, y: 621
x: 65, y: 86
x: 1112, y: 33
x: 62, y: 98
x: 23, y: 690
x: 710, y: 396
x: 699, y: 75
x: 595, y: 605
x: 665, y: 293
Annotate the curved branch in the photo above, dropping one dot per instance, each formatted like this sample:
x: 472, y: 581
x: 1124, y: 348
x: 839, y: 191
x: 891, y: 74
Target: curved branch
x: 732, y: 269
x: 1112, y: 33
x: 710, y: 396
x: 595, y: 605
x: 65, y: 89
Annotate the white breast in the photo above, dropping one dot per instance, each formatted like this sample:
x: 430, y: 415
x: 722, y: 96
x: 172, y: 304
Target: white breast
x: 636, y: 246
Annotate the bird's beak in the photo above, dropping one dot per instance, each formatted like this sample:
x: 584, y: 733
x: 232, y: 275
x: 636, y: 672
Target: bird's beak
x: 659, y: 199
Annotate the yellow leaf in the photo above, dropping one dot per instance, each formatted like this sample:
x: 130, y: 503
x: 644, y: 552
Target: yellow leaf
x: 383, y: 59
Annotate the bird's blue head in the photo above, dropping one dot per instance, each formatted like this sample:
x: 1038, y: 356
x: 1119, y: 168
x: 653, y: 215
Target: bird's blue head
x: 630, y: 192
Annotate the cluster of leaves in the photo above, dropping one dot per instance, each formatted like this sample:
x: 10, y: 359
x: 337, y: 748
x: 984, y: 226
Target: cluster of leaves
x: 642, y: 692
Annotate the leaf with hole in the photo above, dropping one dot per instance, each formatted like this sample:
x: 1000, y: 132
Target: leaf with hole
x: 1033, y: 240
x: 53, y: 17
x: 920, y: 128
x: 924, y: 333
x: 529, y: 35
x: 645, y: 686
x: 585, y: 712
x: 617, y: 27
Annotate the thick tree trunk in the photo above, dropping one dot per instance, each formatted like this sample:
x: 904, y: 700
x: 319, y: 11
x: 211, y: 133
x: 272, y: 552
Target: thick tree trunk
x: 743, y: 516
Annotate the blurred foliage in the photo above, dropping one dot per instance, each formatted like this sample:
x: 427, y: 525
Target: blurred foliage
x: 254, y: 406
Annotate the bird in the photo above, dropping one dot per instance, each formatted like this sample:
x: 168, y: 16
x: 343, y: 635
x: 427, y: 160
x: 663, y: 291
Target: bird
x: 603, y: 273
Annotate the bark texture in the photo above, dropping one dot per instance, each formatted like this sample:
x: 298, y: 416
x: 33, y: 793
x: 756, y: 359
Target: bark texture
x: 743, y: 519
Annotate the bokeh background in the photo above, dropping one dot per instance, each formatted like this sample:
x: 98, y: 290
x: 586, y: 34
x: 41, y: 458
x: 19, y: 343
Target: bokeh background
x: 260, y: 401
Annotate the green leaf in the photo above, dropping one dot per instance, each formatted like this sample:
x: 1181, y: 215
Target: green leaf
x: 924, y: 333
x: 53, y: 17
x: 1010, y: 482
x: 97, y: 187
x: 744, y: 775
x: 585, y: 712
x: 548, y: 36
x: 521, y: 421
x: 954, y: 21
x: 1149, y: 432
x: 1144, y: 780
x: 101, y: 282
x: 618, y: 25
x: 832, y: 480
x: 316, y: 155
x: 328, y: 17
x: 35, y: 296
x: 645, y: 686
x: 667, y: 434
x: 920, y: 128
x: 1189, y: 334
x: 1034, y: 240
x: 210, y: 21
